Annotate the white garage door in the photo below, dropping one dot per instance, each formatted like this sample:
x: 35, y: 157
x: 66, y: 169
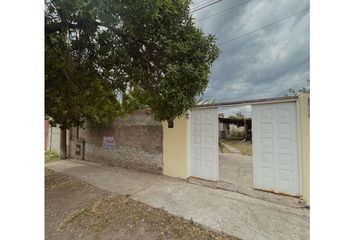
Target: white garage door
x: 204, y: 144
x: 275, y: 148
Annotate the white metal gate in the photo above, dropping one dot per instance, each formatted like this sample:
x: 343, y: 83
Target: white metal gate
x: 204, y: 144
x: 275, y: 148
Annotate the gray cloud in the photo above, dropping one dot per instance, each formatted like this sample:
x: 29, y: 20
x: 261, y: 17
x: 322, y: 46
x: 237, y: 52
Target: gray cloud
x: 263, y: 64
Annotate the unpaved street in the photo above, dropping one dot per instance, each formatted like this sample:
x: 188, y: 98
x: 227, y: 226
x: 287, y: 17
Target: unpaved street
x: 77, y: 210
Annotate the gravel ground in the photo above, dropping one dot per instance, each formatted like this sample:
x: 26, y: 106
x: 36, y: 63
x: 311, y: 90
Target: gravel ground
x: 77, y: 210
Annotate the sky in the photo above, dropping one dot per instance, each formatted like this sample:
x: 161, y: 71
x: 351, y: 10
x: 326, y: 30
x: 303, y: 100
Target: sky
x: 262, y: 64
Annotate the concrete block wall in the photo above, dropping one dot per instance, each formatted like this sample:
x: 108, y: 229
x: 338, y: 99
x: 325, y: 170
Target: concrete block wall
x: 138, y: 143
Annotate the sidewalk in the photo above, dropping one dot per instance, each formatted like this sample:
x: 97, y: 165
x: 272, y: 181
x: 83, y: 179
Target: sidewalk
x: 230, y: 212
x: 231, y: 148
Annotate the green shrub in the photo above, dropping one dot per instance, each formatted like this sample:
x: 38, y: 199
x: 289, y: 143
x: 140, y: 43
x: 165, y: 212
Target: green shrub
x: 51, y: 156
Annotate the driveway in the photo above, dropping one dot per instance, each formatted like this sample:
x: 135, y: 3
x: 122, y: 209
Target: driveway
x: 236, y: 174
x: 231, y: 212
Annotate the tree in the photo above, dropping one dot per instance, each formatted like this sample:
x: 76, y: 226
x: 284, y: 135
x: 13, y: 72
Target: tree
x: 105, y: 58
x: 292, y: 92
x: 238, y: 115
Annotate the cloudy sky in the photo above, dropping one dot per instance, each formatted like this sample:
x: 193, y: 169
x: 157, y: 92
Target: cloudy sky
x: 262, y: 64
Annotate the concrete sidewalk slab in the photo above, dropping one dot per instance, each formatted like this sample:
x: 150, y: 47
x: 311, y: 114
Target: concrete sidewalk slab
x: 230, y: 212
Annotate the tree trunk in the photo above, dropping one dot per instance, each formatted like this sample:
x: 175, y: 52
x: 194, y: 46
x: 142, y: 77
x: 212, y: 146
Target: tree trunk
x: 63, y: 143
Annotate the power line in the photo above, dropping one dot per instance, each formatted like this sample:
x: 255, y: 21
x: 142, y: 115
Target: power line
x: 278, y: 21
x: 208, y: 5
x: 225, y: 10
x: 199, y: 5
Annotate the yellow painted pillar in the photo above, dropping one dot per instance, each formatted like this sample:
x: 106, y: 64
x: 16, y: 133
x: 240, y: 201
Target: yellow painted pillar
x: 304, y: 118
x: 176, y: 148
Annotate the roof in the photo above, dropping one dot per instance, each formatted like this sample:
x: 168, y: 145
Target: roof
x: 251, y: 102
x: 238, y: 122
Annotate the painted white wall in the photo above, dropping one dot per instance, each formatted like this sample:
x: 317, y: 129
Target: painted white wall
x: 54, y: 139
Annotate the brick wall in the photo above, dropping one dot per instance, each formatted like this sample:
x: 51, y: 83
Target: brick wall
x: 138, y: 143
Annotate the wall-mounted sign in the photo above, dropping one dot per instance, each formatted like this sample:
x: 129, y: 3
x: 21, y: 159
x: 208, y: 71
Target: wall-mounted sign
x: 109, y: 143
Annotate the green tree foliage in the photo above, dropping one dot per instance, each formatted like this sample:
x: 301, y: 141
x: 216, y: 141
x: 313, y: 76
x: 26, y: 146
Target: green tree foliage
x: 238, y: 115
x: 292, y: 92
x: 110, y: 57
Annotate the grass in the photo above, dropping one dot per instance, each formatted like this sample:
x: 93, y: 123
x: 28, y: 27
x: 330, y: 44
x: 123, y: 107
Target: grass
x: 244, y: 147
x: 50, y: 156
